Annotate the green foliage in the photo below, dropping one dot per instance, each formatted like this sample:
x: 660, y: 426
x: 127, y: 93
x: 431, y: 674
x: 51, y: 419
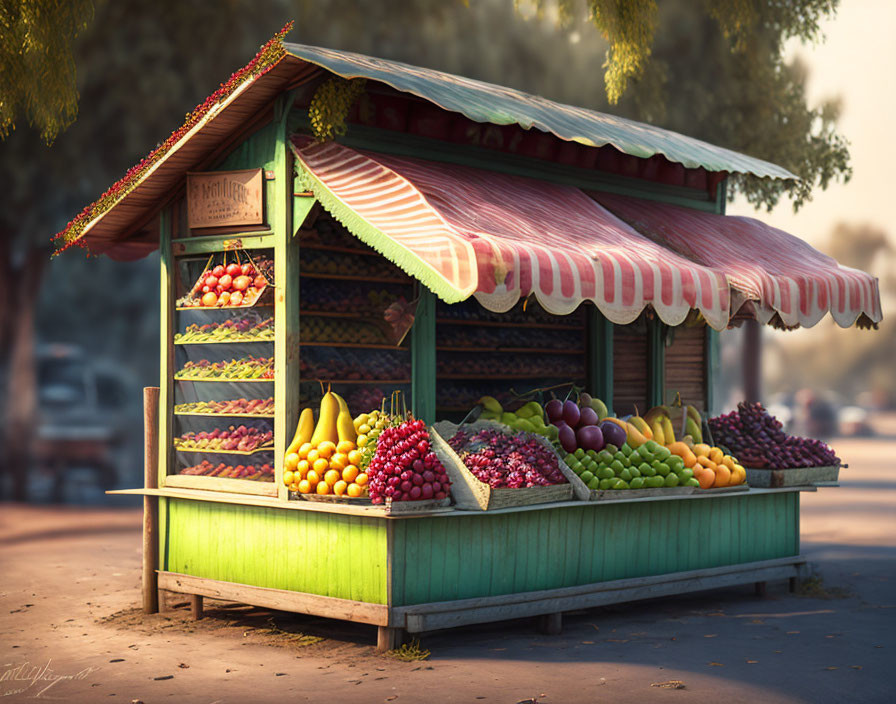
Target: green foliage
x: 716, y: 70
x: 37, y: 65
x: 330, y: 105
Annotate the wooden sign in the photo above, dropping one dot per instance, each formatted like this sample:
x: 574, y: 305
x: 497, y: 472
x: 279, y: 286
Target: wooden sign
x: 224, y: 198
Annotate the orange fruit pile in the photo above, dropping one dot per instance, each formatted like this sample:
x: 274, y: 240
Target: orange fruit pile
x: 329, y: 468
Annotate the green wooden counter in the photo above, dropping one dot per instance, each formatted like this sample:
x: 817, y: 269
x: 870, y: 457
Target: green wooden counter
x: 423, y: 572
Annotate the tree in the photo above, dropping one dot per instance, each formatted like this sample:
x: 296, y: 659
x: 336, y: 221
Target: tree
x: 715, y: 70
x: 37, y: 65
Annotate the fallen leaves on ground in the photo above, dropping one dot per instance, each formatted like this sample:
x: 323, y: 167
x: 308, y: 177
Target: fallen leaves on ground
x: 669, y: 684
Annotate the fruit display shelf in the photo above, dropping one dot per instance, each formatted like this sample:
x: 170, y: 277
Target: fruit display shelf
x: 206, y: 451
x: 224, y: 380
x: 235, y: 408
x: 510, y: 350
x: 351, y: 382
x: 505, y: 324
x: 223, y: 415
x: 223, y: 342
x: 356, y: 277
x: 265, y: 304
x: 354, y: 345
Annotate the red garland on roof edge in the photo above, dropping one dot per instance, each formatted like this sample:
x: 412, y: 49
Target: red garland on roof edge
x: 264, y: 60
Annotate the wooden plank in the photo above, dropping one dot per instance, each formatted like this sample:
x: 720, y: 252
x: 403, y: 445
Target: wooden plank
x: 166, y: 356
x: 241, y: 486
x: 149, y: 579
x: 423, y: 356
x: 215, y: 243
x: 656, y: 365
x: 426, y: 617
x: 255, y: 546
x: 297, y: 602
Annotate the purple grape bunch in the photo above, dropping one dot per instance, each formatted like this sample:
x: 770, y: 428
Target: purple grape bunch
x: 758, y: 440
x: 507, y: 461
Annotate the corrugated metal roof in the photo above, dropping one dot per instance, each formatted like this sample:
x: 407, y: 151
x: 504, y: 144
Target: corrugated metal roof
x: 487, y: 102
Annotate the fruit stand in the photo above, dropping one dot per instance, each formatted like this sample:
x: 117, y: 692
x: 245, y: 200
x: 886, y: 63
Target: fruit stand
x: 402, y: 370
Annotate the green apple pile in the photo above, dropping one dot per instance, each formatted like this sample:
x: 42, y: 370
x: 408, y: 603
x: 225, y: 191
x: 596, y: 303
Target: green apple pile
x: 651, y: 466
x: 529, y: 418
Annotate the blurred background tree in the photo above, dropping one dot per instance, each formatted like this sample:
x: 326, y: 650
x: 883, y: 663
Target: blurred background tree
x: 714, y: 71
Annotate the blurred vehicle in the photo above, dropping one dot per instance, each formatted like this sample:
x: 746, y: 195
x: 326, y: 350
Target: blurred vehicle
x: 855, y: 421
x: 80, y: 423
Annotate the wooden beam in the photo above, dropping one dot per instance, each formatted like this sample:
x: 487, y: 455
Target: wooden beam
x: 656, y: 362
x: 166, y: 358
x: 282, y: 599
x: 423, y: 356
x: 150, y: 581
x: 448, y: 614
x: 600, y: 356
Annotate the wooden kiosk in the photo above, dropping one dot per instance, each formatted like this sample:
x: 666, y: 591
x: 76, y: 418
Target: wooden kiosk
x: 243, y: 182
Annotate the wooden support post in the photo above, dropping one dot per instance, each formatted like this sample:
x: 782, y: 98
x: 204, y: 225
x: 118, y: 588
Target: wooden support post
x: 656, y: 362
x: 423, y: 356
x: 760, y: 588
x: 600, y: 357
x: 388, y: 638
x: 752, y: 360
x: 150, y: 503
x: 196, y: 606
x: 551, y: 624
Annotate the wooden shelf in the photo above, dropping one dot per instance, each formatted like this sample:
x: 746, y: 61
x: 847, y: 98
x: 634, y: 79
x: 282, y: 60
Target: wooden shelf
x: 356, y: 346
x: 221, y: 342
x: 357, y: 381
x: 346, y: 277
x: 228, y: 381
x: 254, y: 305
x: 335, y: 248
x: 329, y: 314
x: 505, y: 324
x: 223, y: 415
x: 508, y: 350
x: 484, y: 377
x: 268, y: 448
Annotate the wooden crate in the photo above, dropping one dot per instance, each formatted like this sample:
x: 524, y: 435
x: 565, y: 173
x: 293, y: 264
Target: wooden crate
x: 473, y: 495
x: 796, y: 476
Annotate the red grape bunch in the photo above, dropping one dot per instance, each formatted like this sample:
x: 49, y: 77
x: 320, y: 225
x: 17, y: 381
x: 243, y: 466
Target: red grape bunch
x: 758, y: 440
x: 507, y: 462
x: 404, y: 467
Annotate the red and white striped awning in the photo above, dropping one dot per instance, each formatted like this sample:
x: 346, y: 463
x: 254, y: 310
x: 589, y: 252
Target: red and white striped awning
x: 463, y: 231
x: 779, y: 273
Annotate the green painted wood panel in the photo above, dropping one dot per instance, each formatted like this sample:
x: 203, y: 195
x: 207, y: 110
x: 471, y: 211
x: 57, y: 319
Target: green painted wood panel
x: 304, y: 551
x: 656, y: 363
x: 423, y: 356
x: 600, y: 357
x: 481, y: 555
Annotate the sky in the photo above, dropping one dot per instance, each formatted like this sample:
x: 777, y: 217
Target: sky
x: 857, y: 61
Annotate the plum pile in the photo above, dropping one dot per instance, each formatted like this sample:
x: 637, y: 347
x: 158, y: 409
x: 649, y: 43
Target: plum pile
x: 257, y: 473
x: 241, y: 439
x: 404, y: 467
x: 507, y: 461
x: 758, y: 440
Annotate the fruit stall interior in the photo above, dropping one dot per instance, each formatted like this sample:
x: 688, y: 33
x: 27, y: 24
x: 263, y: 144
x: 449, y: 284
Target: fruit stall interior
x: 352, y: 301
x: 505, y: 355
x: 223, y: 411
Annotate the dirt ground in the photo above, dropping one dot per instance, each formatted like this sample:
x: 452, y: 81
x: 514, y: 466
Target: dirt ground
x: 70, y: 629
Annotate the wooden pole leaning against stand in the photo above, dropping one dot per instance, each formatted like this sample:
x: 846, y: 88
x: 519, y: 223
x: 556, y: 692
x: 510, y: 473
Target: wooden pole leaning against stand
x: 151, y: 503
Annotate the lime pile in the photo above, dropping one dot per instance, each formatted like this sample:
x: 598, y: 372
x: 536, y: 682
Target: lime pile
x: 651, y: 466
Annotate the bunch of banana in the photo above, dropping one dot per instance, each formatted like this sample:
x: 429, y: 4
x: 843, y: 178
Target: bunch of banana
x: 659, y: 419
